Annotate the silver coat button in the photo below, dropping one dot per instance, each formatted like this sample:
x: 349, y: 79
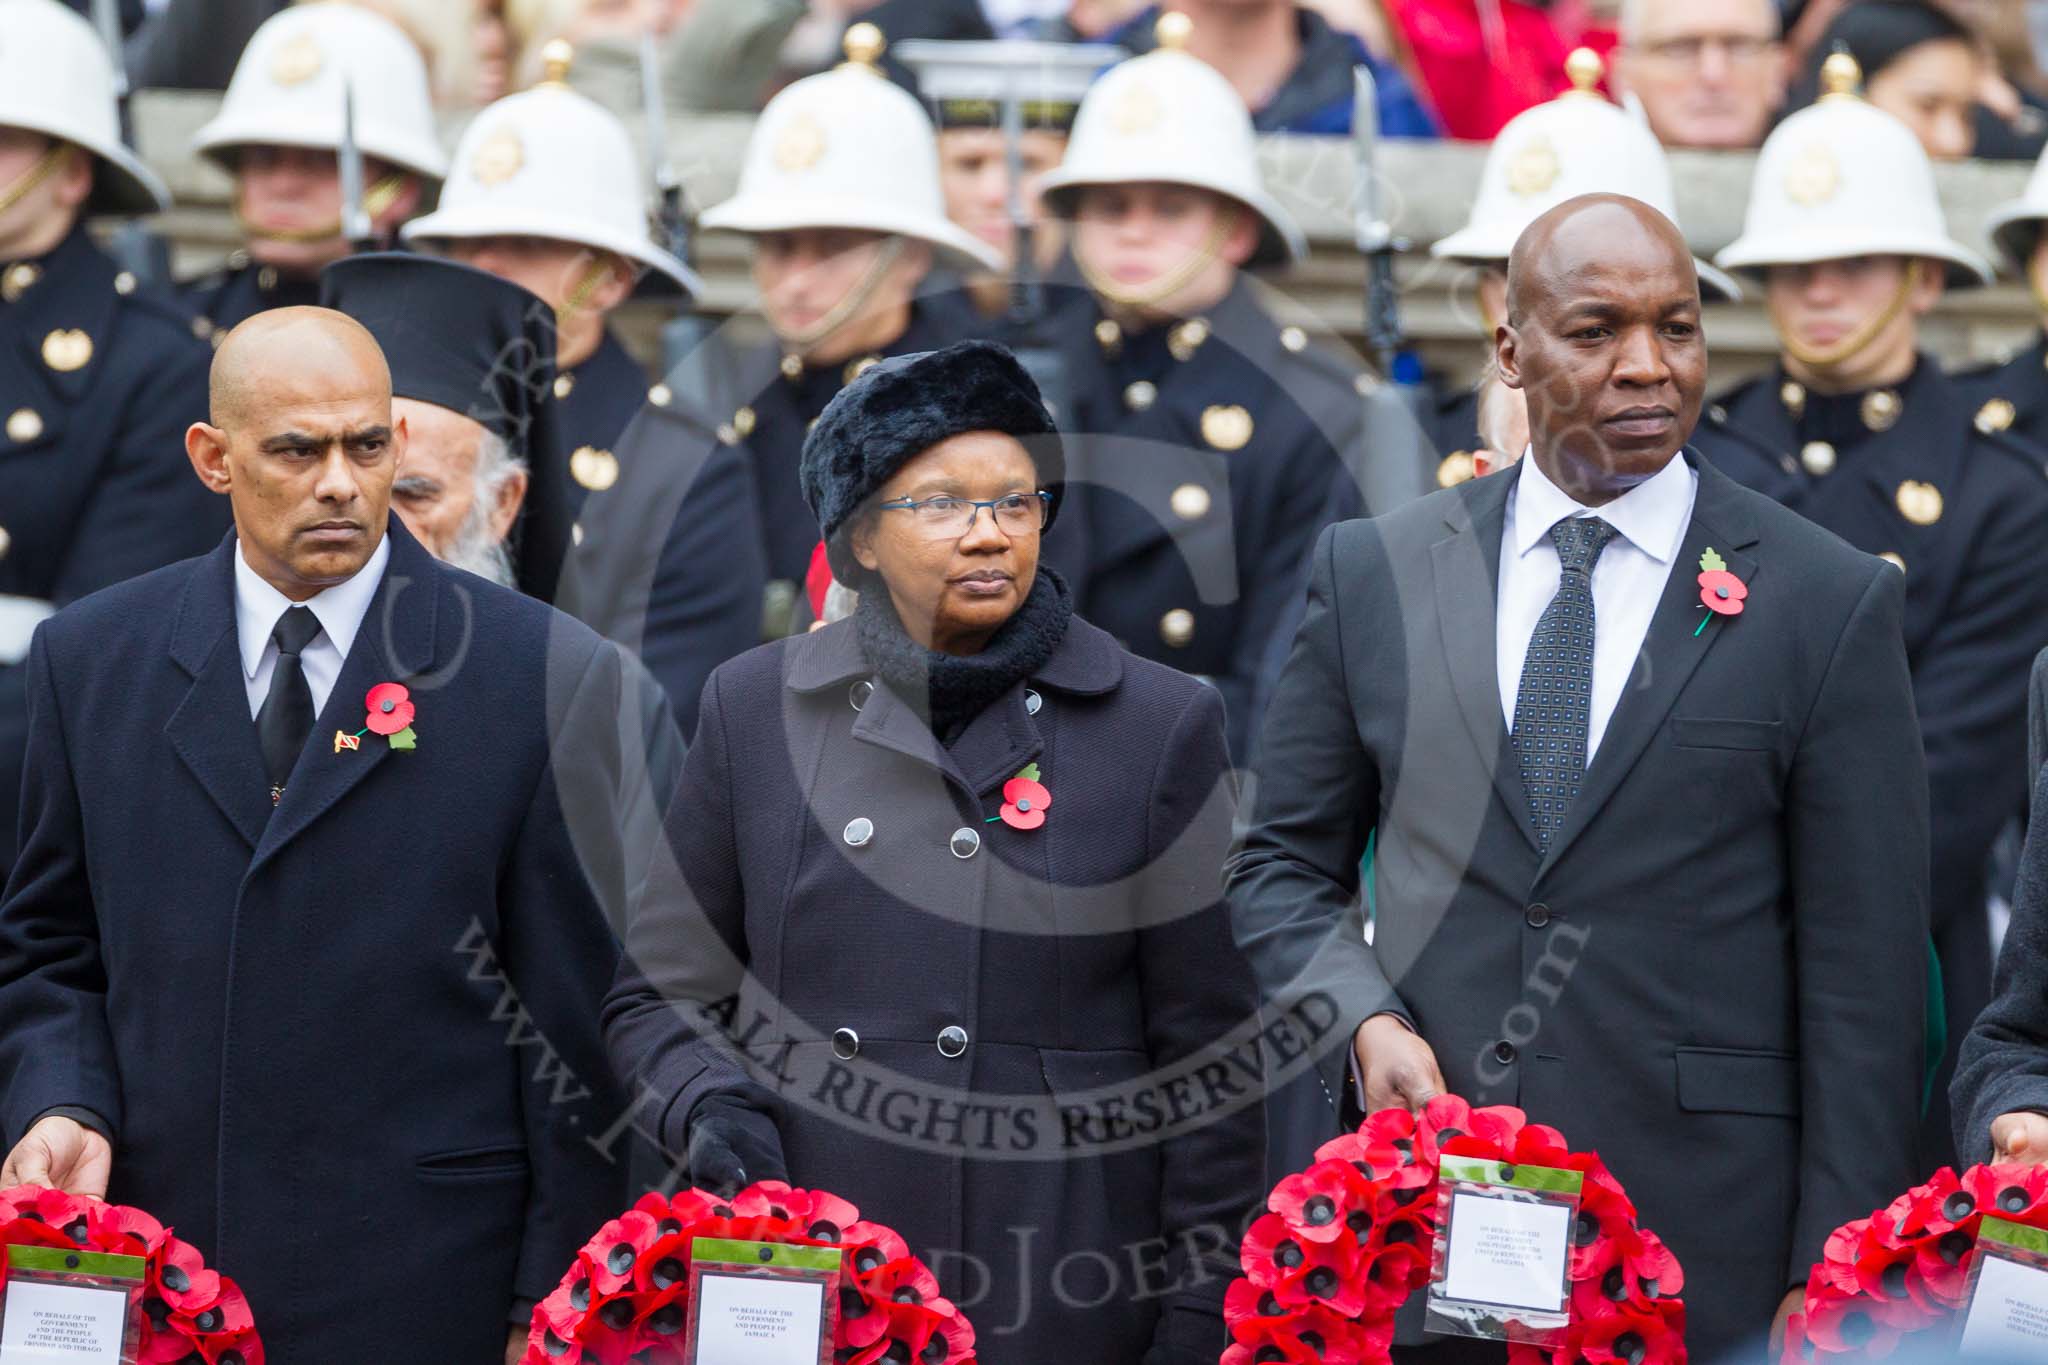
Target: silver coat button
x: 952, y: 1040
x: 859, y: 830
x: 966, y: 842
x: 845, y: 1044
x: 1032, y: 702
x: 858, y: 694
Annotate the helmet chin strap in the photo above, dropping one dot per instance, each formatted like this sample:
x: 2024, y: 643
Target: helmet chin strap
x: 594, y: 274
x: 1824, y: 358
x: 850, y: 303
x: 45, y: 166
x: 1158, y: 291
x: 376, y: 200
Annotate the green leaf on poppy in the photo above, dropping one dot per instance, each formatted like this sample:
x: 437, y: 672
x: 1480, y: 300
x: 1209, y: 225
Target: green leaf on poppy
x: 405, y: 739
x: 1711, y: 562
x: 1029, y: 772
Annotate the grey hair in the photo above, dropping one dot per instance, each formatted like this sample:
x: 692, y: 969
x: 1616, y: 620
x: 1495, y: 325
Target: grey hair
x: 1635, y: 14
x: 475, y: 549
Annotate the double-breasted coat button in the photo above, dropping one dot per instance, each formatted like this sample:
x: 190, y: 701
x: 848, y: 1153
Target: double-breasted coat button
x: 858, y: 694
x: 1032, y: 702
x: 1504, y: 1052
x: 1818, y: 457
x: 859, y: 830
x: 845, y: 1044
x: 1190, y: 502
x: 966, y: 842
x: 952, y: 1040
x: 24, y: 425
x: 1538, y: 915
x: 1177, y: 627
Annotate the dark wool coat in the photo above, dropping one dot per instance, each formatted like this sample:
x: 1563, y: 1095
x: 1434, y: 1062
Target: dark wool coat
x: 346, y: 1045
x: 957, y: 1014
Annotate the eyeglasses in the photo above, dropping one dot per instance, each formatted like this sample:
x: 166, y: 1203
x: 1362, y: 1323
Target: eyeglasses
x: 949, y: 518
x: 1740, y: 49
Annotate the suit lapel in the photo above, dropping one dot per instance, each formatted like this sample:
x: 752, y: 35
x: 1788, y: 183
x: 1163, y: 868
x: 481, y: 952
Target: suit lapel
x: 212, y: 731
x: 1672, y: 649
x: 394, y: 644
x: 1466, y: 573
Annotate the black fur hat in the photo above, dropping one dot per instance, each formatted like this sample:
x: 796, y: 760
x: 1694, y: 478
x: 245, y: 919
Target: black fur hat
x: 904, y: 406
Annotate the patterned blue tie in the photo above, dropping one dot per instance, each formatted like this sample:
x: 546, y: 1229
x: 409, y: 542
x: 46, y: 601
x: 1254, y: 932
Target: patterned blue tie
x: 1554, y: 708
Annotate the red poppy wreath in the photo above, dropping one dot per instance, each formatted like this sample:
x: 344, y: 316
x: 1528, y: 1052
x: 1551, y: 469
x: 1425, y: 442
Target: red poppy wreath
x: 1344, y: 1243
x: 1906, y: 1268
x: 626, y: 1297
x: 188, y: 1311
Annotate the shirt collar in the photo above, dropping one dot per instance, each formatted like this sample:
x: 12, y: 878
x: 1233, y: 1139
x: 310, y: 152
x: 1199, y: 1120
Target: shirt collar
x: 341, y: 608
x: 1651, y: 516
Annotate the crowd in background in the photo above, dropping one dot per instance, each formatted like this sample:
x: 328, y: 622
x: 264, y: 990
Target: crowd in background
x: 1706, y: 73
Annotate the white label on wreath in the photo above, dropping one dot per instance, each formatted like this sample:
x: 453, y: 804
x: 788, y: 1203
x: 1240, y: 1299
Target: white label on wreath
x: 1509, y: 1252
x: 62, y: 1324
x: 2008, y: 1318
x: 749, y: 1320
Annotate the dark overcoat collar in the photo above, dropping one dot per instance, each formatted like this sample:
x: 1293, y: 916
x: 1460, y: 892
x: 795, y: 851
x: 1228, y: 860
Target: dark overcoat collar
x: 213, y: 732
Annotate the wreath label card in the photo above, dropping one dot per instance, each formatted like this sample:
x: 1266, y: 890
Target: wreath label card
x: 69, y: 1307
x: 1501, y: 1268
x: 2008, y: 1314
x: 761, y: 1303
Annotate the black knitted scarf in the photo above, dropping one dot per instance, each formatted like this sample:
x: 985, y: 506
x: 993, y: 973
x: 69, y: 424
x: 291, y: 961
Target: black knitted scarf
x: 949, y: 690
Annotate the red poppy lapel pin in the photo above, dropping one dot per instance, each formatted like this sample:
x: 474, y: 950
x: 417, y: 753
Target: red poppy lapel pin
x: 390, y: 713
x: 1025, y: 800
x: 1721, y: 592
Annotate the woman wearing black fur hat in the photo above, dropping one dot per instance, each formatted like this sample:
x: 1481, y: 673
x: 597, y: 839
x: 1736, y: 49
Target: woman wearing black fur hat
x: 943, y: 934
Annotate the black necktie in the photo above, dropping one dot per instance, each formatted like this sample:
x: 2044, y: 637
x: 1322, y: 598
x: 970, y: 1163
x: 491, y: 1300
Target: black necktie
x: 1554, y: 708
x: 287, y: 715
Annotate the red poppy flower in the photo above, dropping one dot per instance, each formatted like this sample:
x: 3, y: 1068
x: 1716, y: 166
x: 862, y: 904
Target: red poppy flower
x: 1321, y: 1203
x: 1722, y: 592
x: 1024, y: 803
x: 390, y: 708
x: 124, y: 1231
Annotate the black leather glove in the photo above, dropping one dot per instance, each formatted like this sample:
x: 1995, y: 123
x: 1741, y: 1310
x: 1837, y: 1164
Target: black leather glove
x: 732, y: 1144
x: 1186, y: 1336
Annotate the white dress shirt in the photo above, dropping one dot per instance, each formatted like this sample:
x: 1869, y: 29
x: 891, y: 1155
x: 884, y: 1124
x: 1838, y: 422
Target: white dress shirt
x: 1628, y: 578
x: 341, y: 608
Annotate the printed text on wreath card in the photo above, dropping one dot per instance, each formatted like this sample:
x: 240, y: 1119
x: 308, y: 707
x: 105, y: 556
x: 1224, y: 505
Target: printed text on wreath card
x: 746, y: 1320
x: 2008, y: 1318
x: 1507, y: 1252
x: 61, y: 1324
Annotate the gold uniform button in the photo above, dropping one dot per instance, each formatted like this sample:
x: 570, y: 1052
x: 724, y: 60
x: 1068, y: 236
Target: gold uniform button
x: 19, y: 279
x: 1818, y: 457
x: 1140, y: 396
x: 67, y: 349
x: 266, y: 278
x: 1183, y: 341
x: 124, y: 283
x: 1456, y: 468
x: 1108, y: 335
x: 1881, y: 409
x: 24, y: 425
x: 1226, y: 426
x: 1293, y: 339
x: 595, y: 469
x: 661, y: 395
x: 1893, y: 558
x: 1996, y: 415
x: 855, y: 369
x: 576, y: 533
x: 202, y: 327
x: 1177, y: 627
x: 1792, y: 394
x: 792, y: 366
x: 1190, y: 502
x: 1919, y: 503
x: 6, y: 542
x: 565, y: 384
x: 743, y: 422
